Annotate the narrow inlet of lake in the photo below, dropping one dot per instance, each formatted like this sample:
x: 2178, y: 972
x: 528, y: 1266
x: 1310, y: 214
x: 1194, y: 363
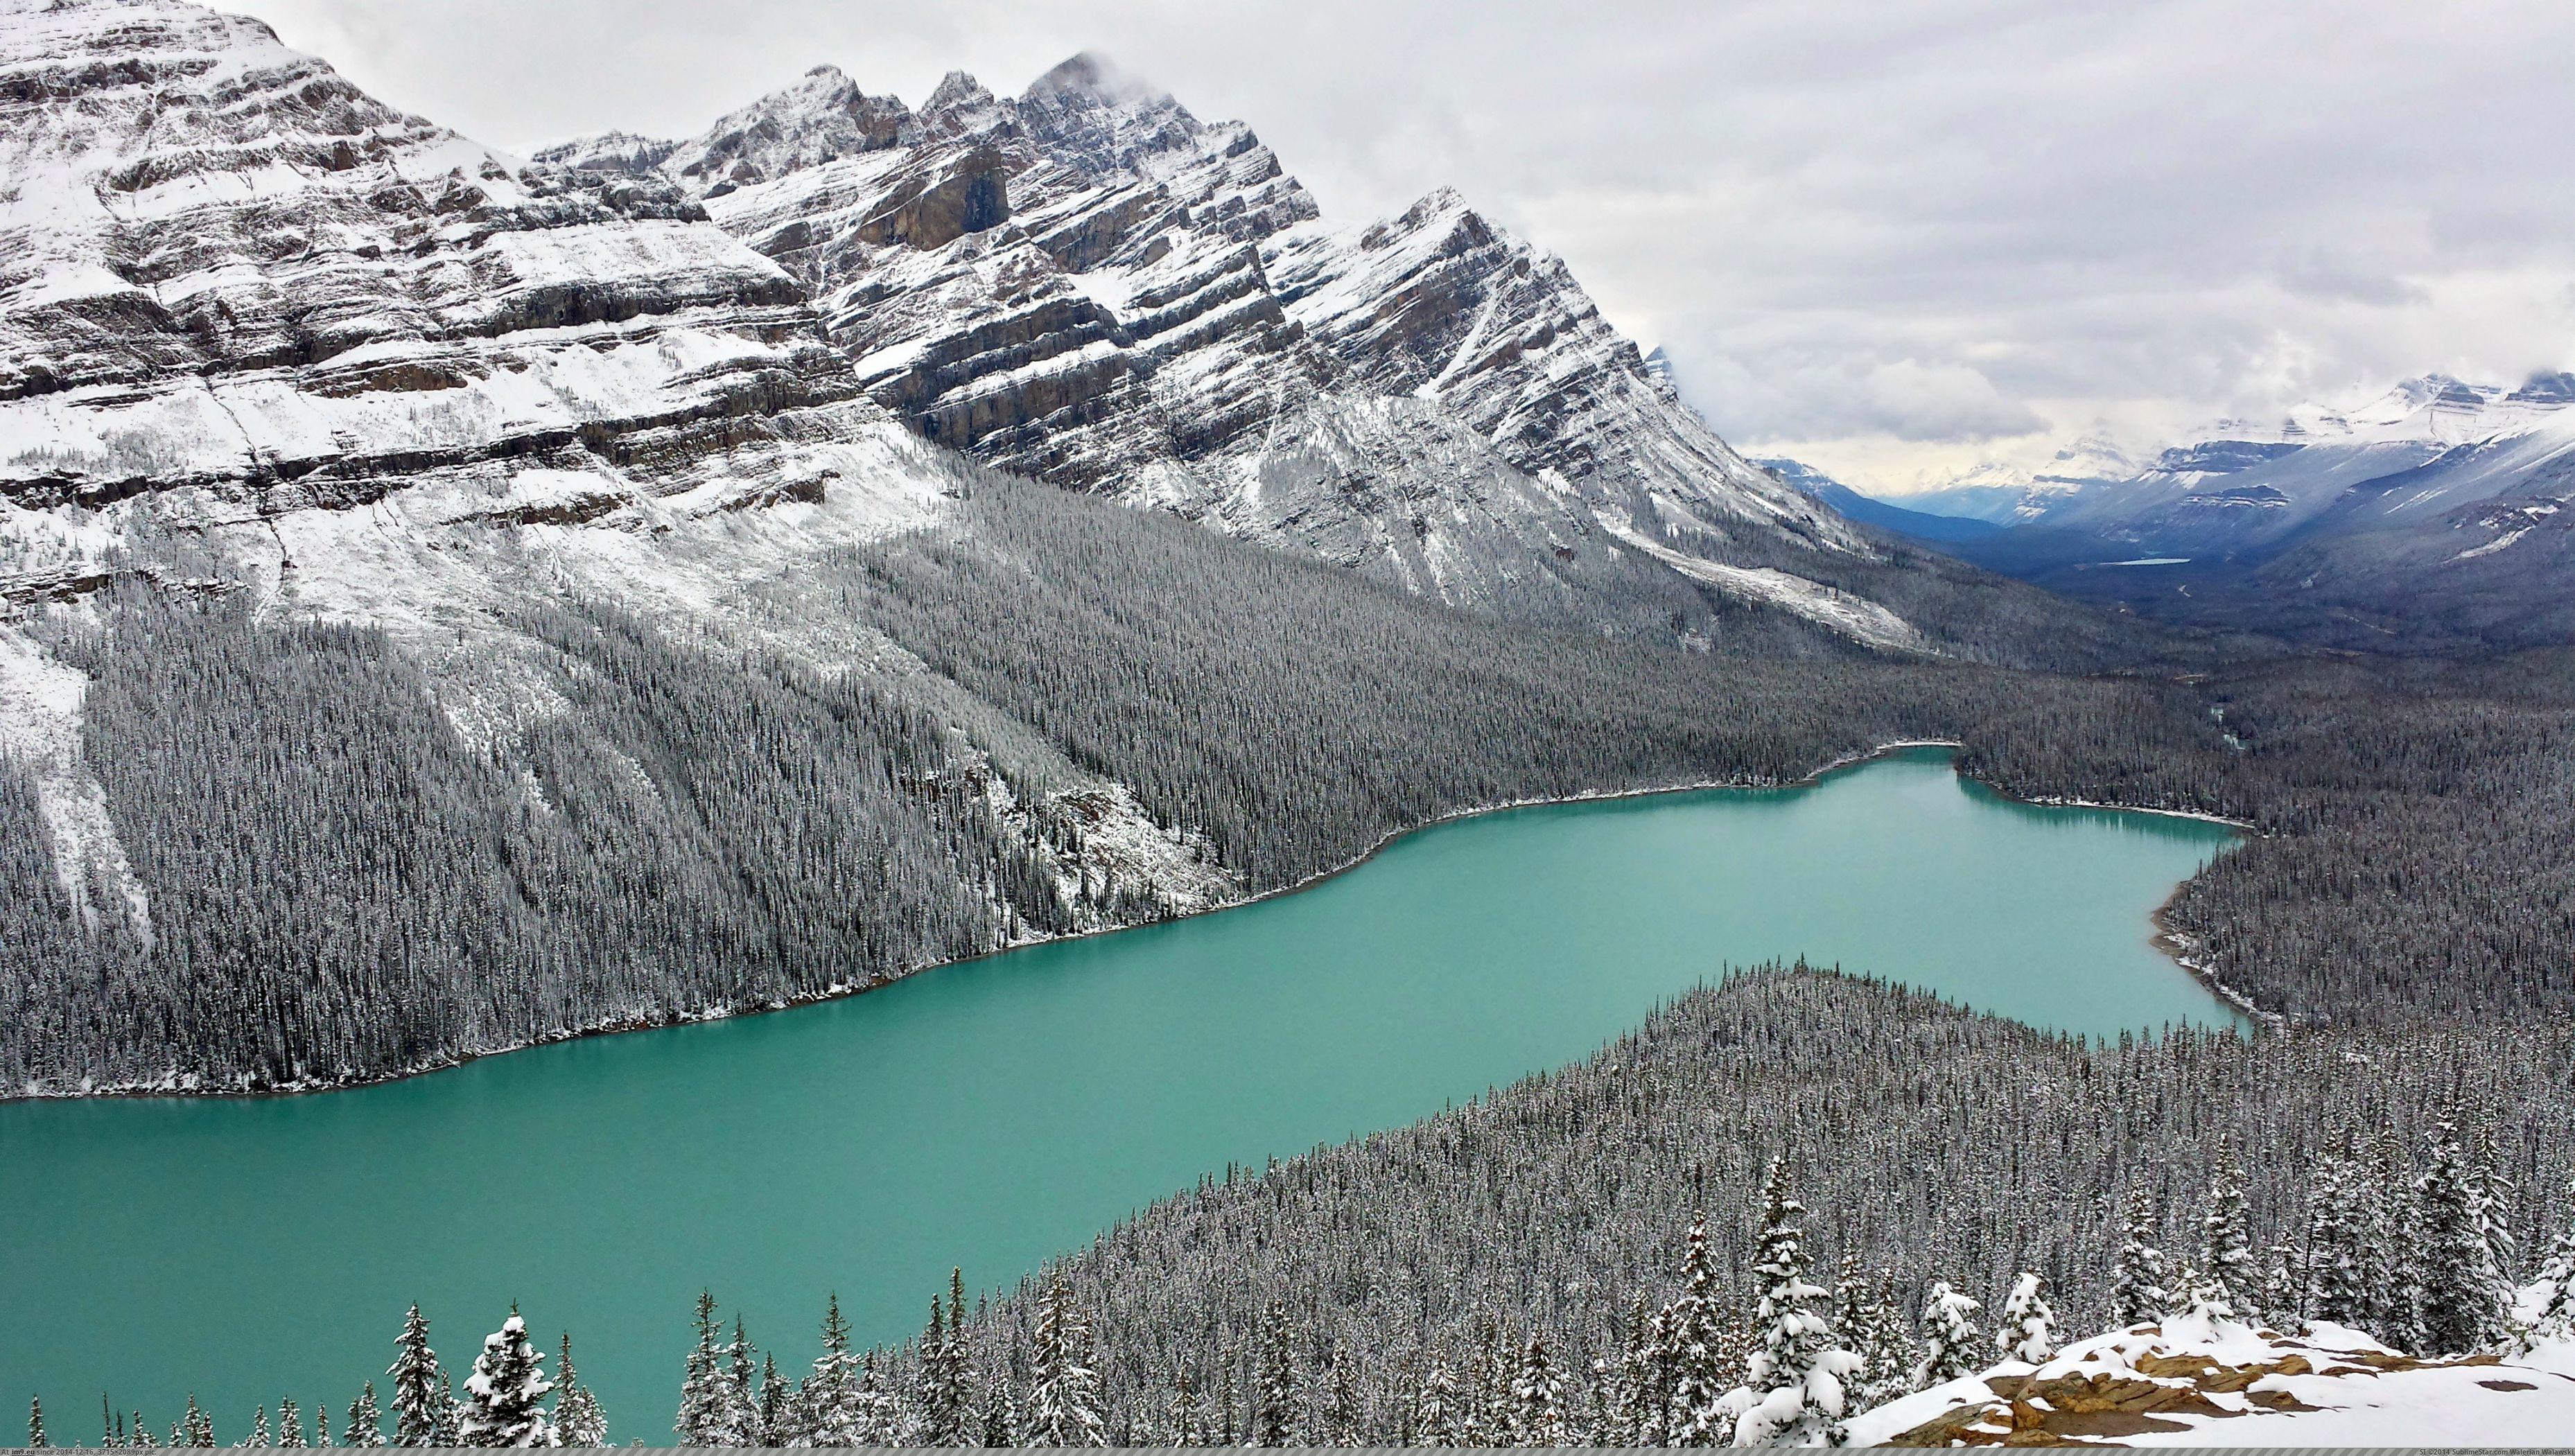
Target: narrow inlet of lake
x: 994, y: 1113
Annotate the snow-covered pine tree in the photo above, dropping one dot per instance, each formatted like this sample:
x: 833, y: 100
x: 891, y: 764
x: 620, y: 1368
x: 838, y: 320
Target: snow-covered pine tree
x: 2494, y: 1227
x: 2137, y: 1292
x: 2459, y: 1303
x: 1003, y: 1421
x: 1796, y: 1379
x: 259, y: 1438
x: 1436, y: 1404
x: 1695, y: 1337
x: 2284, y: 1284
x: 577, y: 1419
x: 143, y: 1434
x: 1652, y: 1390
x: 1950, y: 1345
x: 777, y: 1413
x: 2554, y: 1320
x: 2227, y: 1232
x: 290, y: 1424
x: 947, y: 1373
x: 1538, y: 1400
x: 1885, y: 1341
x: 366, y: 1422
x: 1276, y: 1396
x: 1187, y: 1422
x: 1616, y: 1380
x: 1336, y: 1422
x: 1501, y: 1371
x: 36, y: 1422
x: 111, y: 1426
x: 451, y: 1414
x: 2027, y: 1329
x: 828, y: 1397
x: 196, y: 1428
x: 1064, y: 1390
x: 742, y: 1387
x: 880, y: 1416
x: 420, y: 1387
x: 2333, y: 1261
x: 504, y: 1397
x: 708, y: 1402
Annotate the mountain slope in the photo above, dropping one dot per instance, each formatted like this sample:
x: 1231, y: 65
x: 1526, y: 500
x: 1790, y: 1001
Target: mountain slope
x: 1089, y: 285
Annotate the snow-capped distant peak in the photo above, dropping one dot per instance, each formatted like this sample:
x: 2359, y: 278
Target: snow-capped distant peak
x: 2431, y: 409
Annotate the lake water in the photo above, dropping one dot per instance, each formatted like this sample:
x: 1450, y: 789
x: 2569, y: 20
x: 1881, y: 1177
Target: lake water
x: 994, y: 1113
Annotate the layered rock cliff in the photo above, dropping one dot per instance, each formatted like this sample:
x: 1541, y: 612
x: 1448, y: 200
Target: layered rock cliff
x: 1090, y: 285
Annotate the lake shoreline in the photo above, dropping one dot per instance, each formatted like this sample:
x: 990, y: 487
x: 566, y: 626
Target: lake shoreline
x: 2165, y: 941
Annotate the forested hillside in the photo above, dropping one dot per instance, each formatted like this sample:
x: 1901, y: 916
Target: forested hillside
x: 337, y: 882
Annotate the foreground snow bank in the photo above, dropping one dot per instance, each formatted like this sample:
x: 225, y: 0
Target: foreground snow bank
x: 2194, y: 1380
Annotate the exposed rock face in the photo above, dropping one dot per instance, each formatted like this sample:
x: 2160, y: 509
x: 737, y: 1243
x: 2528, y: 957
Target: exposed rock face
x: 224, y: 266
x: 1090, y: 285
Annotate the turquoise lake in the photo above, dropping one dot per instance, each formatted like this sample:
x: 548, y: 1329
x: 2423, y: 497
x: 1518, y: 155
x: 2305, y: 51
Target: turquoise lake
x: 997, y: 1112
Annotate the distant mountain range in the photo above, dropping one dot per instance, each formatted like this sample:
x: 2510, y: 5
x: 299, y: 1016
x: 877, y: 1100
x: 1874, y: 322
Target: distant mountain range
x: 2431, y: 516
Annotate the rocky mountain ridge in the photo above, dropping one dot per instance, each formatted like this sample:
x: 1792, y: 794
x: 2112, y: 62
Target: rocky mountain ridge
x: 1090, y: 285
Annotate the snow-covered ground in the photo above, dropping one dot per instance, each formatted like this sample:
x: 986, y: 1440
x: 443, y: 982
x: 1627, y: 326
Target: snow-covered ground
x: 2195, y: 1380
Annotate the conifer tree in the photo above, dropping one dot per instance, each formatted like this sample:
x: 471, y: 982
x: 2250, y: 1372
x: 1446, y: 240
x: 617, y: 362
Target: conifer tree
x: 36, y: 1422
x: 707, y: 1401
x: 1795, y: 1382
x: 742, y: 1390
x: 1187, y: 1426
x: 366, y: 1422
x: 1887, y: 1352
x: 504, y: 1397
x: 1950, y: 1345
x: 2226, y: 1233
x: 577, y: 1419
x: 1276, y: 1396
x: 451, y: 1414
x: 777, y: 1412
x: 259, y: 1437
x: 109, y: 1424
x: 196, y: 1428
x: 2459, y: 1301
x: 1692, y: 1333
x: 1538, y: 1400
x: 143, y: 1434
x: 1436, y: 1404
x: 2336, y: 1288
x: 830, y: 1392
x: 2554, y: 1321
x: 420, y: 1387
x: 1064, y: 1390
x: 1001, y: 1423
x: 2137, y: 1292
x: 1502, y: 1366
x: 290, y: 1424
x: 2027, y: 1329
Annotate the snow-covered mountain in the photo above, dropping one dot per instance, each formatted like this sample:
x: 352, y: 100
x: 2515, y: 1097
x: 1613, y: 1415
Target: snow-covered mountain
x: 2247, y: 487
x: 1088, y: 284
x: 2434, y: 511
x: 2012, y: 496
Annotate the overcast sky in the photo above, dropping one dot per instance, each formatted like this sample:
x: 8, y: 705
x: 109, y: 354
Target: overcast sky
x: 1893, y: 239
